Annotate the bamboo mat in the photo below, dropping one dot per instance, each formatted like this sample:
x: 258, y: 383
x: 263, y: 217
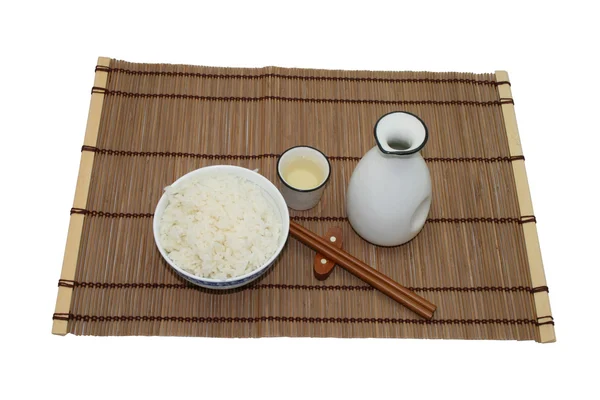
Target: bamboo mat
x: 477, y: 257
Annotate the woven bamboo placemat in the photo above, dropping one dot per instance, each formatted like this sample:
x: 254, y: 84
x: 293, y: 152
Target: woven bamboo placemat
x: 477, y: 258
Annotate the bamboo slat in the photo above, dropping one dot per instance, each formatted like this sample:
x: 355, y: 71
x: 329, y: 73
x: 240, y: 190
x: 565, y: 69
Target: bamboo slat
x: 63, y: 301
x: 534, y: 254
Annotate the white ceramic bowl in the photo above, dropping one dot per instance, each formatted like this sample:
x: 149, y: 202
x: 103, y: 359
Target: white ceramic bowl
x: 272, y: 192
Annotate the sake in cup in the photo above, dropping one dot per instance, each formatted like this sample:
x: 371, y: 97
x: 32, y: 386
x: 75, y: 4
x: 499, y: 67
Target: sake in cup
x: 303, y: 171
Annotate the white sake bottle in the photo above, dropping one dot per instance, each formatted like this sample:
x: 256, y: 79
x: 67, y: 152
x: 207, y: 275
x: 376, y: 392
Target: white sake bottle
x: 389, y: 193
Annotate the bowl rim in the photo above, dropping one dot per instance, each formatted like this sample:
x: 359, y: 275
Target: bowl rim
x: 285, y: 225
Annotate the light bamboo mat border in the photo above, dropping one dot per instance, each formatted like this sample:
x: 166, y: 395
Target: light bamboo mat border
x: 63, y: 299
x: 532, y: 245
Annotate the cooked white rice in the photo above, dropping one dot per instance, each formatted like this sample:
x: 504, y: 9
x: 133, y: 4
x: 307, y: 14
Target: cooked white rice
x: 219, y: 227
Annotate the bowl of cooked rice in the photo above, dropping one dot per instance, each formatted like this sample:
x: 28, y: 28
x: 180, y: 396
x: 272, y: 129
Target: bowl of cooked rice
x: 221, y: 227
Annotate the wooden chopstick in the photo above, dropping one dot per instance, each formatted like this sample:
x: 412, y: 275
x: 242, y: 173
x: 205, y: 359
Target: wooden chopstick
x: 369, y: 269
x: 402, y: 295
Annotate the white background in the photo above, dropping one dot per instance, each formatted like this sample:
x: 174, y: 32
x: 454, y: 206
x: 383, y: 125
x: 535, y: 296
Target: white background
x: 49, y: 50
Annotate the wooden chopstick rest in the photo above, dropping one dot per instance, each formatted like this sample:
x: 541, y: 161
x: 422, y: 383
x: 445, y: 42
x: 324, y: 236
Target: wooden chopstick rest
x: 324, y: 267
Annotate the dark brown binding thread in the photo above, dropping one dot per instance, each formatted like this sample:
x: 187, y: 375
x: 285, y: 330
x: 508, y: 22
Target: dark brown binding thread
x: 527, y: 218
x: 507, y: 101
x: 321, y: 320
x: 315, y: 78
x: 99, y: 90
x: 545, y: 323
x: 540, y: 289
x: 109, y: 214
x: 323, y: 219
x: 283, y: 286
x: 81, y: 211
x: 62, y: 316
x: 66, y: 283
x: 274, y: 156
x: 90, y: 148
x: 344, y: 158
x: 503, y: 83
x: 551, y: 322
x: 306, y: 100
x: 472, y: 159
x: 102, y: 68
x: 178, y: 154
x: 503, y: 220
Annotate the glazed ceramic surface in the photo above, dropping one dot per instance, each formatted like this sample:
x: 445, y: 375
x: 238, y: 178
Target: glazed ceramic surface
x: 389, y: 194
